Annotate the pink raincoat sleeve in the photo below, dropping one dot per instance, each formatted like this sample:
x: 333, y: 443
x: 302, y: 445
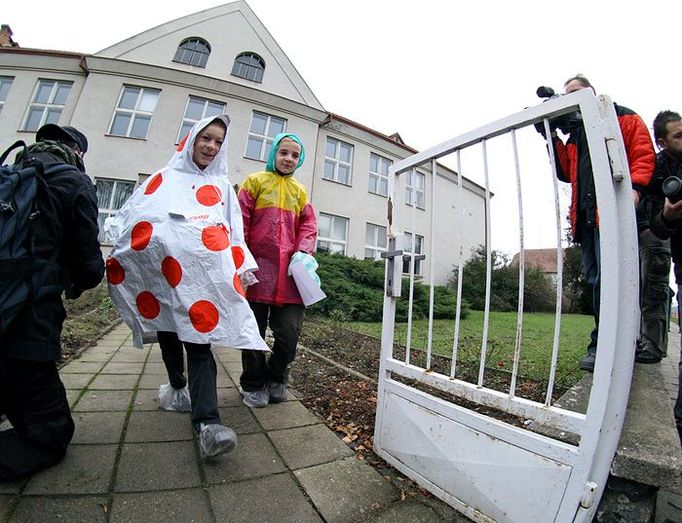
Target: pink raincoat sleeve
x: 233, y: 214
x: 306, y: 236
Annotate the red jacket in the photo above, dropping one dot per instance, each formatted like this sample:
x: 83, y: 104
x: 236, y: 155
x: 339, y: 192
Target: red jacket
x: 641, y: 160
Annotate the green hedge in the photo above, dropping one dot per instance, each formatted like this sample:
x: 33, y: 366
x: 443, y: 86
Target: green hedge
x: 355, y: 292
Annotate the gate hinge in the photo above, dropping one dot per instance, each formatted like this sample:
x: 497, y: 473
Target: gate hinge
x: 587, y: 497
x: 617, y: 172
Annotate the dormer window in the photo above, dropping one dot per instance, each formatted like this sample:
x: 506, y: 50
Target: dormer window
x: 193, y: 51
x: 249, y: 66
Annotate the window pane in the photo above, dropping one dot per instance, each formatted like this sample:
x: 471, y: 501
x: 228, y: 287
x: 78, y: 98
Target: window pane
x: 369, y: 253
x: 253, y: 147
x: 43, y: 92
x: 344, y: 174
x: 337, y: 248
x: 214, y: 109
x: 148, y: 101
x: 258, y: 123
x: 104, y: 189
x: 195, y: 109
x: 328, y: 170
x: 129, y: 98
x: 322, y: 246
x: 184, y: 130
x: 330, y: 150
x: 381, y: 237
x: 120, y: 125
x: 324, y: 225
x: 33, y: 120
x: 373, y: 161
x: 62, y: 93
x: 420, y: 181
x: 369, y: 234
x: 123, y: 192
x: 373, y: 183
x: 140, y: 126
x: 53, y: 115
x: 339, y: 229
x: 383, y: 190
x: 276, y: 126
x: 345, y: 152
x: 268, y: 147
x: 4, y: 89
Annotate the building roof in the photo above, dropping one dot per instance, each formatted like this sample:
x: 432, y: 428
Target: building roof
x: 543, y: 259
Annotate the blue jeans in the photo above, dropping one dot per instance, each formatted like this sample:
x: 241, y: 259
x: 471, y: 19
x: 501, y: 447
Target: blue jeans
x: 591, y: 258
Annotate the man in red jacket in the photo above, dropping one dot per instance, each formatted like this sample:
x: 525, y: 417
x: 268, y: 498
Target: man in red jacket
x: 574, y: 166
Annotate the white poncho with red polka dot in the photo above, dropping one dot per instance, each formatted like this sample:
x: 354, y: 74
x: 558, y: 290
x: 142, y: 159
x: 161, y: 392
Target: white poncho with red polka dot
x: 178, y: 252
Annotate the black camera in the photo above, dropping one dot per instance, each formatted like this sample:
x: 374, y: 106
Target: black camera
x: 672, y: 188
x: 566, y: 122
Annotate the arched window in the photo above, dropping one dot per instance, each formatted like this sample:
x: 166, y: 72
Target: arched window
x: 249, y: 66
x: 193, y: 51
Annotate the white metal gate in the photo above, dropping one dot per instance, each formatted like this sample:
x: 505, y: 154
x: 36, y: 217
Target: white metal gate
x: 488, y: 468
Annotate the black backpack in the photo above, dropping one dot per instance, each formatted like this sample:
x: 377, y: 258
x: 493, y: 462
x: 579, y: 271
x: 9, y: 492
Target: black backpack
x: 21, y: 272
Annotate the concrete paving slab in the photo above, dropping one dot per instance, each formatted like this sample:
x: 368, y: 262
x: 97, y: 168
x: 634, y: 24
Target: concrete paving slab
x: 75, y: 381
x: 229, y: 397
x: 159, y: 425
x: 147, y: 399
x: 157, y: 466
x: 155, y: 356
x: 86, y: 469
x: 415, y: 512
x: 82, y: 367
x: 285, y: 415
x: 104, y: 401
x: 98, y: 354
x: 228, y: 355
x: 12, y: 487
x: 234, y: 375
x: 346, y: 490
x: 240, y: 419
x: 155, y: 368
x: 171, y: 506
x: 152, y: 381
x: 114, y: 382
x: 126, y: 355
x: 72, y: 396
x: 6, y: 506
x: 77, y: 509
x: 123, y: 368
x: 307, y: 446
x: 254, y: 457
x: 98, y: 427
x: 278, y: 499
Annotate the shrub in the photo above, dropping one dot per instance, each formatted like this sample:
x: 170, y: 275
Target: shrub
x: 355, y: 292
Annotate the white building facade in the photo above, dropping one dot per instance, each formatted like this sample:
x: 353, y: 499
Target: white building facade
x: 136, y: 99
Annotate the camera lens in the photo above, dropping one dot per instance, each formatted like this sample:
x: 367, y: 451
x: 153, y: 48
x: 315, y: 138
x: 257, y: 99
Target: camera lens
x: 672, y: 188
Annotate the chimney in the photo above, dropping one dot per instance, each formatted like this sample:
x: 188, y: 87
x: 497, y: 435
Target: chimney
x: 6, y: 37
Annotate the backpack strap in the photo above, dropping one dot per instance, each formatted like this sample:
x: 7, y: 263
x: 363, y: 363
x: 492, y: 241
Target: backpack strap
x: 15, y: 145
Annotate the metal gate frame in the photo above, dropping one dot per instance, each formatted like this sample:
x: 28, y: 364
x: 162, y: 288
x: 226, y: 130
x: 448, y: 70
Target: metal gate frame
x: 485, y: 468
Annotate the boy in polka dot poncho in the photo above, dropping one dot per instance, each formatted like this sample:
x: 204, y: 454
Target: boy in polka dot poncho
x: 175, y: 270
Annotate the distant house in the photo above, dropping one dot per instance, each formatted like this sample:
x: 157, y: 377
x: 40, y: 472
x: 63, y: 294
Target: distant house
x: 543, y: 259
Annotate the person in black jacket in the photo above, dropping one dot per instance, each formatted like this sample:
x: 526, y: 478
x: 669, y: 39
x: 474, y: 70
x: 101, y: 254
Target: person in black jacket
x: 32, y: 395
x: 666, y: 212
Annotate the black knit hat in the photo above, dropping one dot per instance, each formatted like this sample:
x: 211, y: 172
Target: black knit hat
x: 67, y: 135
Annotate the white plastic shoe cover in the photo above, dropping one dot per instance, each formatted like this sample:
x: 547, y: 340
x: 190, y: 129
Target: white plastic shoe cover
x: 216, y: 439
x: 174, y: 399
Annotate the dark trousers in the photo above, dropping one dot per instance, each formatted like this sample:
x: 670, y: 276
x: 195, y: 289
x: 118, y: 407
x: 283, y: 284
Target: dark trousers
x: 285, y: 323
x: 654, y: 262
x: 33, y: 398
x: 678, y: 403
x: 591, y: 259
x: 202, y: 373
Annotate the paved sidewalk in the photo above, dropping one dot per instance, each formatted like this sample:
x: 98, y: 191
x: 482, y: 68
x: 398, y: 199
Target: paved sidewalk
x: 130, y: 461
x: 669, y: 364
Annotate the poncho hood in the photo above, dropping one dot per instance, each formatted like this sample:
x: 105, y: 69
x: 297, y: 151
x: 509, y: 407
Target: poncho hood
x: 182, y: 159
x: 270, y: 166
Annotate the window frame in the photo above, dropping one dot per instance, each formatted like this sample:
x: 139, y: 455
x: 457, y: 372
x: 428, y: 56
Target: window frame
x: 105, y: 212
x: 410, y: 189
x: 135, y: 112
x: 330, y: 239
x: 266, y: 138
x: 48, y: 107
x: 5, y: 81
x: 407, y: 253
x: 202, y: 54
x: 336, y: 161
x: 380, y: 177
x: 190, y: 122
x: 375, y: 244
x: 241, y: 68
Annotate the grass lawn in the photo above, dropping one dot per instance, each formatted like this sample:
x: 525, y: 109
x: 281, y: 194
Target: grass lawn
x: 536, y: 343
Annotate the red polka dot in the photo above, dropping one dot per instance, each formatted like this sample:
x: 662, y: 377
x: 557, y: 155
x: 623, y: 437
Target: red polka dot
x: 238, y: 285
x: 115, y: 271
x: 238, y: 256
x: 172, y: 271
x: 215, y: 238
x: 182, y: 143
x: 148, y: 305
x: 209, y: 195
x: 154, y: 184
x: 140, y: 235
x: 204, y: 316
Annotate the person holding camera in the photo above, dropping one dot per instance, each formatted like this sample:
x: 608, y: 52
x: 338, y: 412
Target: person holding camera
x: 663, y: 201
x: 574, y: 167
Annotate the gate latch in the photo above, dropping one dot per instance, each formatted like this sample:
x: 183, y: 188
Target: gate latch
x: 587, y: 498
x: 393, y: 281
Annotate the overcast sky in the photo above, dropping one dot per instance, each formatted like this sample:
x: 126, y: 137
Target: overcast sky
x: 430, y: 69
